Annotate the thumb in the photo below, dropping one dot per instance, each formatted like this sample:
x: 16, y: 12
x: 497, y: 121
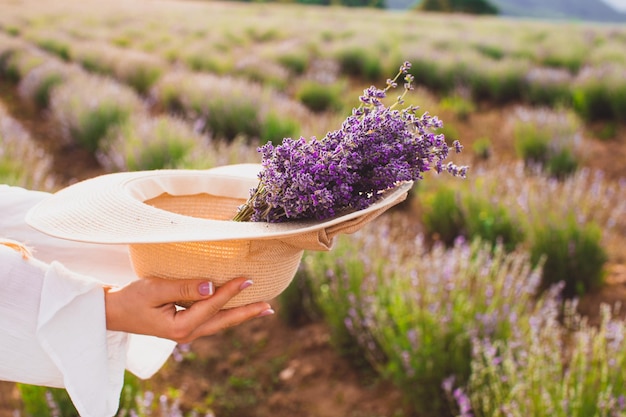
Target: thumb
x: 177, y: 290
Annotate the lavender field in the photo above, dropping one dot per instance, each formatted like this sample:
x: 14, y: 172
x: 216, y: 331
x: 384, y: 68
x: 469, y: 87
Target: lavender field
x: 494, y: 295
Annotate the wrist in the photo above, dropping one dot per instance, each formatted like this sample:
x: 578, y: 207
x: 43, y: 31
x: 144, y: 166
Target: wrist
x: 111, y: 309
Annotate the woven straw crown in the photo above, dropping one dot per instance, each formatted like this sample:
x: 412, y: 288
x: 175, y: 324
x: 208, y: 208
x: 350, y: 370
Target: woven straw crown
x: 177, y: 225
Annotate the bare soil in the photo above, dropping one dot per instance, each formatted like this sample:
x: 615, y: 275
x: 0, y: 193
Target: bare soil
x: 267, y: 368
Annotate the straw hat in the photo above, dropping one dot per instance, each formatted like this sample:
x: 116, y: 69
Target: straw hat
x: 177, y: 225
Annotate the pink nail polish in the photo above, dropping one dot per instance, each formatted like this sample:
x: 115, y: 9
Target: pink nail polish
x: 267, y: 312
x: 206, y: 288
x: 245, y: 284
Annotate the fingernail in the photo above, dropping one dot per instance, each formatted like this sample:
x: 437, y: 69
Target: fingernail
x: 267, y: 312
x: 245, y: 284
x: 206, y: 288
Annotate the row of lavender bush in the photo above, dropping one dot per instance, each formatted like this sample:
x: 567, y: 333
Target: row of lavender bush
x: 222, y: 107
x: 108, y: 118
x: 571, y: 222
x: 461, y: 330
x: 228, y: 107
x: 23, y: 162
x: 580, y: 65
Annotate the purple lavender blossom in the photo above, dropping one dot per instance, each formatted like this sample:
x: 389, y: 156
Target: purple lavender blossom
x: 53, y: 406
x: 463, y: 402
x: 376, y: 148
x: 448, y: 384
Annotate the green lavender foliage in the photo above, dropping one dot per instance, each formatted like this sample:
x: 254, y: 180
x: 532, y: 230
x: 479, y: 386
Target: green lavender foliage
x: 549, y: 140
x: 320, y: 97
x: 22, y: 162
x: 574, y: 254
x: 560, y: 219
x: 413, y: 311
x: 88, y: 107
x: 547, y: 368
x: 150, y: 143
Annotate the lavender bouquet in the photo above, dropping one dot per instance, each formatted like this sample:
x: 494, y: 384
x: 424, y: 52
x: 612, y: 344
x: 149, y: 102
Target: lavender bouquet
x: 376, y: 148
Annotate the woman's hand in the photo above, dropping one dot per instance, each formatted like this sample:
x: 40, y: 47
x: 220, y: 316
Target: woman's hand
x: 146, y: 306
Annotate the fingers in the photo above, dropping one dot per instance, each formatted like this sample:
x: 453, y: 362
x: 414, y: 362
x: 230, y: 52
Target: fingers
x: 207, y: 317
x: 229, y: 318
x: 146, y: 306
x: 226, y: 292
x: 169, y: 291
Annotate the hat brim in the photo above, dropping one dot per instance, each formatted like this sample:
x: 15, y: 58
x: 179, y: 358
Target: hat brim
x: 111, y: 209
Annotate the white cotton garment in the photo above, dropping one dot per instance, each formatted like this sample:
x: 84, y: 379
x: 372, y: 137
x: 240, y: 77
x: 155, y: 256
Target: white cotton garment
x: 52, y: 317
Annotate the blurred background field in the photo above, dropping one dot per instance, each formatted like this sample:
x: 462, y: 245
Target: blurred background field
x: 497, y: 295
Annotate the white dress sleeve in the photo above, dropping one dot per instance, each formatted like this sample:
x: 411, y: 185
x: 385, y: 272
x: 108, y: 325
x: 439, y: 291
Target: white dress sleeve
x: 52, y: 318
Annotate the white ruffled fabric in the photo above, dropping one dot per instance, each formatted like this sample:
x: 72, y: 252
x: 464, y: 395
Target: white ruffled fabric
x: 52, y: 319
